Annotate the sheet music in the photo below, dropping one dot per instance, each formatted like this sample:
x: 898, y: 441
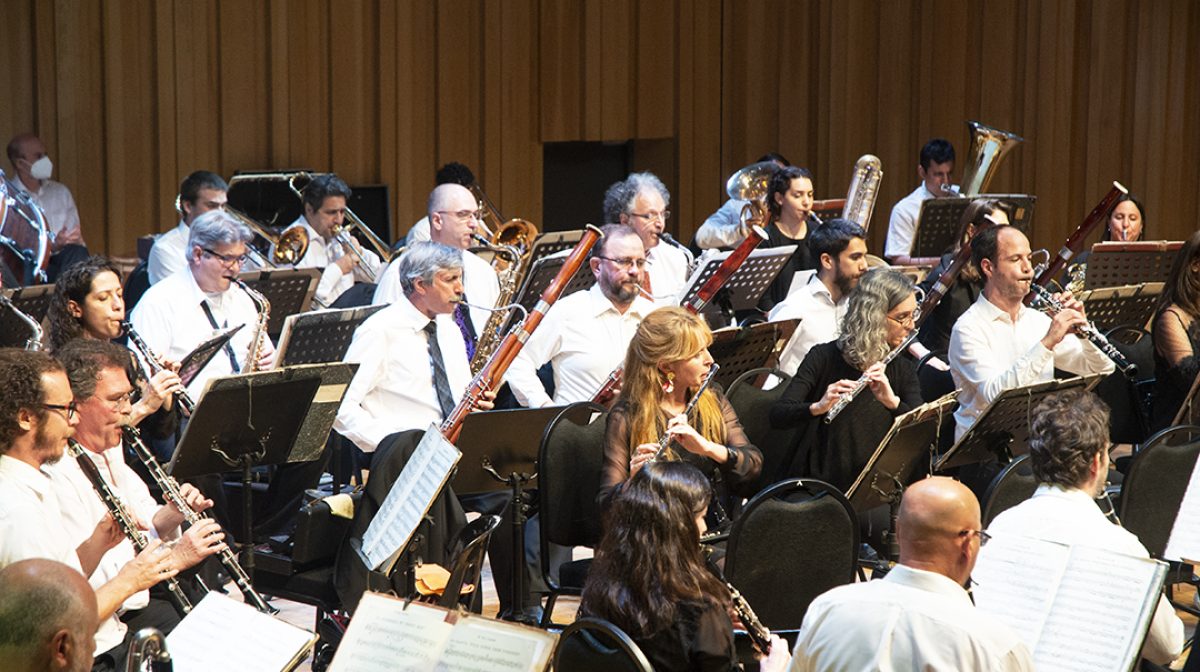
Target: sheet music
x: 1015, y: 581
x: 1185, y: 534
x: 384, y: 637
x: 221, y: 633
x: 410, y: 497
x: 483, y: 645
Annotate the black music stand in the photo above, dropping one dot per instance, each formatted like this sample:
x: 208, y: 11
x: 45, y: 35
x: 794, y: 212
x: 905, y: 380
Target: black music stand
x: 938, y: 221
x: 1002, y: 431
x: 34, y: 301
x: 499, y: 451
x: 1120, y: 264
x: 742, y: 349
x: 257, y: 419
x: 903, y: 456
x: 541, y: 274
x: 1132, y: 305
x: 290, y: 291
x: 744, y: 288
x: 266, y: 196
x: 320, y: 336
x: 554, y: 242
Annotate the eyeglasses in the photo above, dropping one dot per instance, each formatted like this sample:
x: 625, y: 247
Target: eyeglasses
x: 907, y: 319
x: 68, y: 410
x: 476, y: 215
x: 652, y: 216
x: 984, y: 536
x: 626, y: 263
x: 226, y: 259
x: 120, y: 401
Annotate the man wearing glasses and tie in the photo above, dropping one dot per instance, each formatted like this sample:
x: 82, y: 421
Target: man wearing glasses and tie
x: 640, y: 201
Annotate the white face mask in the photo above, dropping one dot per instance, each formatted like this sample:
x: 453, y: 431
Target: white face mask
x: 41, y: 169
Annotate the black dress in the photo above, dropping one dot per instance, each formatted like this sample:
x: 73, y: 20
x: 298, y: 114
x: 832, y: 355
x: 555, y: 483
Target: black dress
x: 838, y: 451
x: 935, y: 331
x: 1173, y: 382
x: 801, y: 260
x: 700, y: 640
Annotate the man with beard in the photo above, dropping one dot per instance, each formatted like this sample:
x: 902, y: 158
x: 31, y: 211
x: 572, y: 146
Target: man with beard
x: 840, y: 249
x: 999, y: 343
x: 640, y: 202
x: 584, y: 335
x: 37, y: 416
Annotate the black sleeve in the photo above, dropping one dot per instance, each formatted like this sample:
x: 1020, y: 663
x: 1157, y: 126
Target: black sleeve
x: 805, y: 388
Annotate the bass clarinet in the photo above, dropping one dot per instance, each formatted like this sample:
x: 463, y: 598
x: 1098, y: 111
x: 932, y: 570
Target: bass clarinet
x: 125, y: 520
x: 170, y: 490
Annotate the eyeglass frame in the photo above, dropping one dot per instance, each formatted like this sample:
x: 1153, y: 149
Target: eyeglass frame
x: 908, y: 321
x: 475, y: 215
x: 984, y: 536
x: 226, y: 259
x: 70, y: 410
x: 651, y: 216
x: 626, y: 263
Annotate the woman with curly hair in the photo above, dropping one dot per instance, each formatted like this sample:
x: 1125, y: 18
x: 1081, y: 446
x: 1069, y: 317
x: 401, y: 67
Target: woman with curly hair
x: 1176, y: 334
x: 878, y: 317
x: 650, y: 578
x: 666, y: 362
x: 790, y: 200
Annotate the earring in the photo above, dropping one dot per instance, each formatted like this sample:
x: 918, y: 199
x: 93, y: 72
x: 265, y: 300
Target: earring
x: 669, y: 386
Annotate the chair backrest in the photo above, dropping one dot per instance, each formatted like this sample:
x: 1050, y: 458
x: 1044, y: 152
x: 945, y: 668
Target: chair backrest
x: 794, y: 541
x: 569, y: 465
x: 468, y: 551
x: 1153, y: 489
x: 752, y: 404
x: 136, y: 285
x: 1013, y: 485
x: 595, y: 645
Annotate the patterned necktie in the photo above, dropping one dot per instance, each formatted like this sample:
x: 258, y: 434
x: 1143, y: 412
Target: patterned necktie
x: 441, y: 384
x: 462, y: 317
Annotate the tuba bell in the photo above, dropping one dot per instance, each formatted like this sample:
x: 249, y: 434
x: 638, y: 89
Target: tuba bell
x: 988, y: 146
x: 751, y: 184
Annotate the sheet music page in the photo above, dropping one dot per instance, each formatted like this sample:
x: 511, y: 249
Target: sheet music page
x: 1185, y: 534
x: 1016, y: 578
x: 410, y: 497
x: 484, y: 645
x: 221, y: 633
x: 384, y: 636
x: 1102, y: 609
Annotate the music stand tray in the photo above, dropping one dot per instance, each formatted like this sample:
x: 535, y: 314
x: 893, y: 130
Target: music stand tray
x: 1119, y: 264
x: 1131, y: 305
x: 290, y: 291
x: 938, y: 221
x: 34, y: 301
x: 1002, y: 431
x: 746, y: 286
x: 320, y: 336
x: 742, y: 349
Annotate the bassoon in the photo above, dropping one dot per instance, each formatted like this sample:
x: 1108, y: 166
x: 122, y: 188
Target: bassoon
x: 1075, y: 241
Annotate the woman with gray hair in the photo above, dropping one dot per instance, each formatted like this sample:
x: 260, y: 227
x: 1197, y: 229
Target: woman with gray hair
x: 878, y: 318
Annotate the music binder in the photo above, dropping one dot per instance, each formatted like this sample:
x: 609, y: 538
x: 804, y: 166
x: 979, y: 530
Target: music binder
x: 195, y: 361
x: 1128, y: 305
x: 1113, y: 264
x: 1183, y: 544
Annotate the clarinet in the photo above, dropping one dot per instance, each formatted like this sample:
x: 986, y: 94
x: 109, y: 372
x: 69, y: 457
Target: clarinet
x: 124, y: 519
x: 760, y: 635
x: 181, y: 397
x: 170, y: 490
x: 666, y: 437
x: 1044, y: 301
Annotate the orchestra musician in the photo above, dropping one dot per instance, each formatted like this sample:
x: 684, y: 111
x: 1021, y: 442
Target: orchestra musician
x: 879, y: 316
x: 1176, y: 335
x: 200, y: 192
x: 999, y: 343
x: 935, y: 166
x: 640, y: 201
x: 33, y: 169
x: 47, y: 617
x: 584, y: 336
x: 650, y: 579
x: 324, y: 214
x: 451, y: 173
x: 666, y: 362
x: 1126, y: 224
x: 790, y: 199
x: 723, y: 228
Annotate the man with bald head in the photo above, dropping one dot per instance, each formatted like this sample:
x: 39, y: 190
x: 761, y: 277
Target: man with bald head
x: 918, y: 617
x: 47, y: 617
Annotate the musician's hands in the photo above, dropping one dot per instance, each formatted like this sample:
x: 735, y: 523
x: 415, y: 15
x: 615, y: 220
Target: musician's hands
x: 687, y: 437
x: 152, y: 565
x: 880, y: 386
x: 106, y: 535
x: 641, y: 455
x: 169, y: 517
x: 201, y: 540
x: 346, y: 263
x: 832, y: 393
x: 1066, y: 321
x: 66, y: 237
x: 266, y: 356
x: 486, y: 401
x: 156, y: 392
x: 780, y: 657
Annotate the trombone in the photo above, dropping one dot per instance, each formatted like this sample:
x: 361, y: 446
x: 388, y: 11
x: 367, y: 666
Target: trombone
x: 289, y: 246
x: 512, y: 234
x: 343, y: 234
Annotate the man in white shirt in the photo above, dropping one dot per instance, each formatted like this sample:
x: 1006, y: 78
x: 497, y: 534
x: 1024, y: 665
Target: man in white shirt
x: 324, y: 214
x: 936, y: 164
x: 841, y: 250
x: 640, y: 201
x: 1068, y: 450
x: 918, y: 617
x: 199, y: 193
x: 584, y: 336
x: 33, y: 169
x: 451, y: 173
x: 723, y: 228
x: 47, y: 617
x: 37, y: 416
x: 999, y: 344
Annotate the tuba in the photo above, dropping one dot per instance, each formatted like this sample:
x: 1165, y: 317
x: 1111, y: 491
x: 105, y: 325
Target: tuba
x: 751, y: 184
x: 988, y: 146
x: 864, y: 189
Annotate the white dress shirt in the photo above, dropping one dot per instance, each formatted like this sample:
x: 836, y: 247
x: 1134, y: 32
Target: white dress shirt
x: 584, y: 337
x: 1070, y: 516
x: 31, y: 526
x: 169, y: 318
x: 820, y: 321
x: 168, y: 256
x: 57, y: 202
x: 418, y: 232
x: 322, y: 254
x: 667, y: 267
x: 903, y: 224
x: 480, y: 284
x: 393, y: 388
x: 910, y: 620
x: 723, y: 227
x: 990, y: 354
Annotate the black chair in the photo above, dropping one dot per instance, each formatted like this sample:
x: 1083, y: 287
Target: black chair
x: 936, y: 384
x: 1130, y: 399
x: 136, y: 285
x: 1013, y: 485
x: 753, y: 405
x: 569, y: 465
x: 794, y: 541
x: 468, y: 551
x: 595, y: 645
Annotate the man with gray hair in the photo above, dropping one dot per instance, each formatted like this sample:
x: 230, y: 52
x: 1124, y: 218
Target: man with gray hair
x: 194, y: 304
x: 640, y: 201
x: 48, y: 617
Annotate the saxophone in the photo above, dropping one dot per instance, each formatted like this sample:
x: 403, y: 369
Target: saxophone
x: 510, y: 280
x: 864, y: 189
x: 34, y: 342
x: 148, y: 647
x: 263, y: 306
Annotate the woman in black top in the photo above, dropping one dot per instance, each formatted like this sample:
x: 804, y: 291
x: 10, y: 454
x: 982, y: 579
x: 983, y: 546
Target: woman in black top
x: 790, y: 198
x: 650, y: 579
x: 878, y: 318
x: 1176, y: 334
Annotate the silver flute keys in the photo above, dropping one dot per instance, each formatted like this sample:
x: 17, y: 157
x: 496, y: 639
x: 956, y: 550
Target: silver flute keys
x: 666, y: 437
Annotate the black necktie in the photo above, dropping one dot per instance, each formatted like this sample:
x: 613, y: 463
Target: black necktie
x: 441, y: 384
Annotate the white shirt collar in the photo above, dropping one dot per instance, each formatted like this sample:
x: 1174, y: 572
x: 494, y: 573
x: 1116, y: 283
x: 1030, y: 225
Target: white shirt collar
x: 601, y: 304
x: 26, y: 474
x: 927, y: 581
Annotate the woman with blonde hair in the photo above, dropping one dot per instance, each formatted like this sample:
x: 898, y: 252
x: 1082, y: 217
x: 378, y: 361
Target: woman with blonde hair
x: 665, y: 364
x: 879, y: 316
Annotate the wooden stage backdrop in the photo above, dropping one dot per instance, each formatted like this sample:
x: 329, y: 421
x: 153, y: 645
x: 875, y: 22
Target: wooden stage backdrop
x: 131, y: 95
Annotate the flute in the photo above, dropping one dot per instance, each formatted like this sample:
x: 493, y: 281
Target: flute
x: 666, y: 437
x: 844, y: 400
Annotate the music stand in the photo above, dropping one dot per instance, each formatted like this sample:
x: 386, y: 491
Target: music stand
x: 1004, y: 424
x: 257, y: 419
x: 34, y: 301
x: 554, y: 242
x: 320, y: 336
x: 938, y: 221
x: 289, y: 290
x: 1119, y: 264
x: 745, y: 287
x: 901, y: 458
x: 1121, y: 306
x: 830, y: 208
x: 500, y: 450
x: 541, y: 274
x: 742, y: 349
